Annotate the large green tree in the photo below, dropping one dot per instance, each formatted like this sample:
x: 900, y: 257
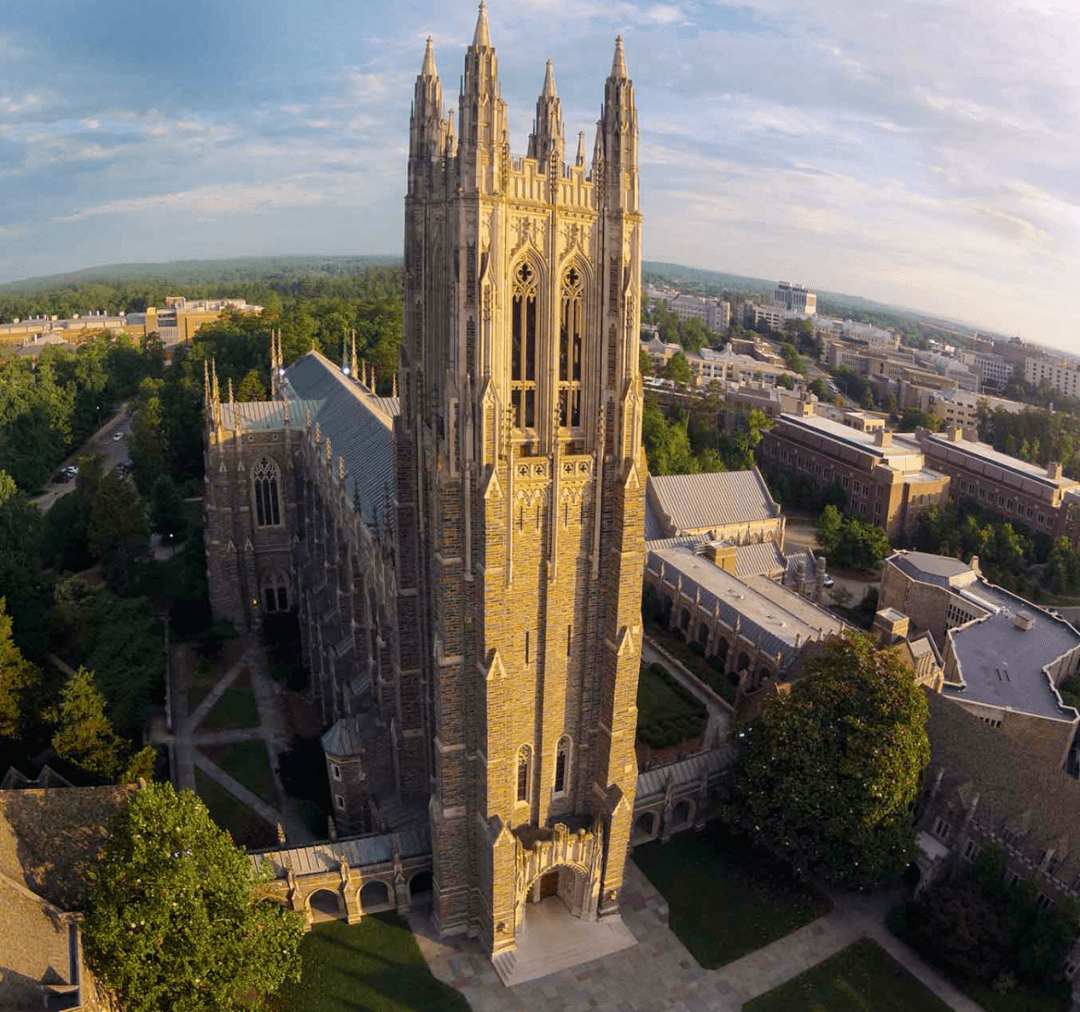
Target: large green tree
x: 828, y: 773
x: 17, y: 677
x: 173, y: 921
x: 118, y: 532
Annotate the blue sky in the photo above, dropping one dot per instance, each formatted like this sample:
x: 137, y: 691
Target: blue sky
x: 925, y: 154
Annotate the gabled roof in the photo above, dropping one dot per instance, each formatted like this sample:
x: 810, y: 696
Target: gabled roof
x: 713, y: 500
x: 358, y: 423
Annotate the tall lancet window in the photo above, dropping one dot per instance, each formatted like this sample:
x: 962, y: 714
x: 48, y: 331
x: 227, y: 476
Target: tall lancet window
x: 265, y: 477
x: 525, y: 324
x: 562, y: 766
x: 523, y: 769
x: 572, y: 326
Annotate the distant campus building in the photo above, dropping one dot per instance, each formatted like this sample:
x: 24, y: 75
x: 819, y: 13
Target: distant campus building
x: 177, y: 323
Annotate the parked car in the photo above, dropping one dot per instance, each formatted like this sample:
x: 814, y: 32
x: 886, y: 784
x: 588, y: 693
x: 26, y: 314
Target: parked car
x: 828, y: 581
x: 117, y: 436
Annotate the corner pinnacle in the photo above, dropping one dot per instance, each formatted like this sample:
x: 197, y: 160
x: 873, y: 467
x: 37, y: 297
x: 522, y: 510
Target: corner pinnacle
x: 481, y: 36
x: 618, y: 64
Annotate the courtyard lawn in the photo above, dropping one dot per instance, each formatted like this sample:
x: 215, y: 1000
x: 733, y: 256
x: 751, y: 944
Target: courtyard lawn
x: 246, y: 828
x: 694, y: 662
x: 726, y: 898
x: 248, y: 762
x: 375, y: 965
x: 667, y: 713
x: 861, y: 978
x: 235, y: 708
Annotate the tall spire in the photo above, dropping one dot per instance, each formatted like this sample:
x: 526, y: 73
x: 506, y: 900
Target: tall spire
x: 549, y: 82
x: 428, y: 69
x: 581, y: 148
x: 481, y: 36
x: 426, y: 124
x: 618, y: 64
x: 547, y: 136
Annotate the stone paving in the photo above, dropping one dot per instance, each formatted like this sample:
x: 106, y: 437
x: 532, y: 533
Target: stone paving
x: 186, y: 739
x: 659, y: 974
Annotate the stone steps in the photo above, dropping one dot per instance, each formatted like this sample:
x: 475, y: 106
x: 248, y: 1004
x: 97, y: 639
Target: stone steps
x: 504, y: 964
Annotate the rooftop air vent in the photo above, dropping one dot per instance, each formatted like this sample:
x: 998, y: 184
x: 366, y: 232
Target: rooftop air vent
x: 1024, y: 620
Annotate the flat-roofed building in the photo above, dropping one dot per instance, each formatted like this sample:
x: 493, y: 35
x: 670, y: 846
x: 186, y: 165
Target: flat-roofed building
x: 1039, y: 497
x: 1062, y: 374
x: 795, y: 298
x: 885, y: 475
x: 962, y: 407
x: 710, y: 365
x: 1004, y: 657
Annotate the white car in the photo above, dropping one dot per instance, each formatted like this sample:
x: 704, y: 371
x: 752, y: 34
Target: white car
x: 828, y: 581
x: 117, y: 437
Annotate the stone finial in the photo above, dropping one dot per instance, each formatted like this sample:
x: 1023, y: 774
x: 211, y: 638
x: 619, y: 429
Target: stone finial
x: 329, y: 453
x: 281, y: 834
x: 549, y: 82
x: 352, y: 358
x: 307, y: 413
x: 393, y: 389
x: 206, y: 383
x: 618, y: 64
x: 340, y: 467
x: 481, y: 37
x: 428, y: 69
x: 580, y: 160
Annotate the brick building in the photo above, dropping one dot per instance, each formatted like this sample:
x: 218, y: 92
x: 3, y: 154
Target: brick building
x: 467, y: 558
x: 885, y: 475
x: 1041, y: 498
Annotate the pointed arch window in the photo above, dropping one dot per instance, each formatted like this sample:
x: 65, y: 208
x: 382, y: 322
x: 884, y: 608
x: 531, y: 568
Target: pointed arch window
x: 266, y: 478
x: 571, y: 347
x: 524, y: 328
x: 524, y: 769
x: 562, y: 765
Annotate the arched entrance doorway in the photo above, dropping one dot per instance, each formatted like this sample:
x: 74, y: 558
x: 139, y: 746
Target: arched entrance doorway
x: 551, y: 897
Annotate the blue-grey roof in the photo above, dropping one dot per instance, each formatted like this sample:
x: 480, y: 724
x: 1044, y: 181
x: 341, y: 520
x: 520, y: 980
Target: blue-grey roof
x: 941, y: 570
x: 359, y: 851
x: 358, y: 424
x: 777, y: 619
x: 712, y: 500
x: 684, y: 771
x: 1003, y: 664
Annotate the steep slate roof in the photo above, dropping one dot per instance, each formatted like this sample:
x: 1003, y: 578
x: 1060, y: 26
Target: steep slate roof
x: 1016, y: 785
x: 358, y: 424
x: 695, y: 501
x: 49, y: 838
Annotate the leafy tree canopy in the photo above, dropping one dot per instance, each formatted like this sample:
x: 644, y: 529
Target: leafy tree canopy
x: 173, y: 921
x: 828, y: 773
x: 17, y: 677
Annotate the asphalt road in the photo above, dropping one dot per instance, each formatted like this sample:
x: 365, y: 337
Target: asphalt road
x: 101, y: 442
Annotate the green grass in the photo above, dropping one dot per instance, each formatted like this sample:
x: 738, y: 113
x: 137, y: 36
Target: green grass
x: 1070, y: 692
x: 1023, y: 999
x: 246, y: 828
x: 667, y: 713
x: 375, y: 965
x: 248, y: 762
x: 694, y: 662
x: 235, y: 708
x: 861, y: 978
x: 726, y: 898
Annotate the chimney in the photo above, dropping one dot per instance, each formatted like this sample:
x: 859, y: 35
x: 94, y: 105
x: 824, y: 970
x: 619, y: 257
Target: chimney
x: 954, y: 433
x: 883, y: 438
x: 1053, y: 470
x: 974, y: 564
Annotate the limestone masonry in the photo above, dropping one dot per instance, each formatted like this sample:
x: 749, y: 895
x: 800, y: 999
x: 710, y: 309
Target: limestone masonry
x: 467, y: 555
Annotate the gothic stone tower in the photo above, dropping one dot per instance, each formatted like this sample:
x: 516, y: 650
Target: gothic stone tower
x: 520, y: 496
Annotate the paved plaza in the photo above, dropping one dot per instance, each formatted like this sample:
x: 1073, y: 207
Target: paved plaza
x: 659, y: 974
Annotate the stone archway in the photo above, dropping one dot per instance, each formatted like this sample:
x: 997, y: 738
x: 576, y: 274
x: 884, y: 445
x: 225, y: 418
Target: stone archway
x: 558, y: 891
x: 325, y: 905
x: 644, y: 828
x: 375, y: 896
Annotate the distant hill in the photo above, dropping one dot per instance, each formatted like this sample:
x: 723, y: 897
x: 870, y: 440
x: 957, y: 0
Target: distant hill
x: 246, y: 269
x: 201, y: 272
